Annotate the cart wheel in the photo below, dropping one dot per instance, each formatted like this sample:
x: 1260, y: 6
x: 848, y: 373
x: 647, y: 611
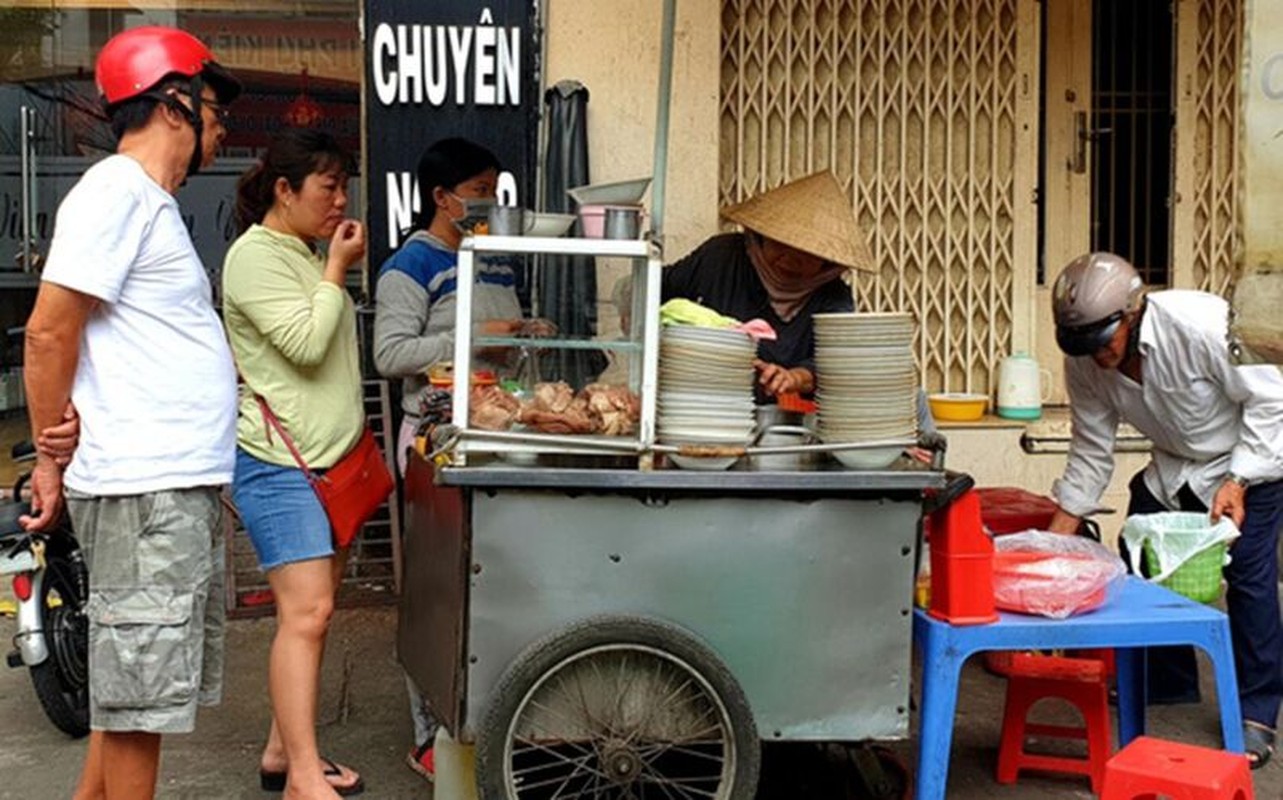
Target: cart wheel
x: 618, y: 707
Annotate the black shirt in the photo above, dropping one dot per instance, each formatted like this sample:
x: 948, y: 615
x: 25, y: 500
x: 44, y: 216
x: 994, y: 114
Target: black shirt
x: 719, y: 274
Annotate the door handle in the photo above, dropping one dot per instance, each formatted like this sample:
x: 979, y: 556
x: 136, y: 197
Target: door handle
x: 1082, y: 136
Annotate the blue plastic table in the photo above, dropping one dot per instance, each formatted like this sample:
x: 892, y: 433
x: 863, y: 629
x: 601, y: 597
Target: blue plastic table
x: 1138, y: 615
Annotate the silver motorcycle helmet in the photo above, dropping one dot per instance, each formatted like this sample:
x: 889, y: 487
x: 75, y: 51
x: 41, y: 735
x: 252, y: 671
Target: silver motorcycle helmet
x: 1092, y: 295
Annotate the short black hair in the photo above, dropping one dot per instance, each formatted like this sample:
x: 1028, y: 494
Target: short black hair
x: 132, y: 114
x: 448, y: 163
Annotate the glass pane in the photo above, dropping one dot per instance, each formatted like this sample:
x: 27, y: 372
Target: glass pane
x: 1132, y: 115
x: 549, y: 380
x: 300, y: 63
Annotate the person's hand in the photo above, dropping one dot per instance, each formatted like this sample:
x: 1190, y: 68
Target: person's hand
x: 537, y: 328
x: 1230, y: 502
x: 59, y: 441
x: 1064, y: 522
x: 46, y: 496
x: 347, y: 245
x: 499, y: 327
x: 777, y: 380
x: 920, y: 454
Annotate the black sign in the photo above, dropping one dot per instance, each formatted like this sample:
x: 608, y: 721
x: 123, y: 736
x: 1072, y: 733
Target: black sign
x: 446, y: 68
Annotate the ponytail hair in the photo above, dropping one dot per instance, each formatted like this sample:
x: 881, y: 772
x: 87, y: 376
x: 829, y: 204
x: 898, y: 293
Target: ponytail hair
x: 293, y: 154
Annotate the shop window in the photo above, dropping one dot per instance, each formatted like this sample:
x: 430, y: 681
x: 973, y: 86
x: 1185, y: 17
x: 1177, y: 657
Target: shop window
x: 300, y: 63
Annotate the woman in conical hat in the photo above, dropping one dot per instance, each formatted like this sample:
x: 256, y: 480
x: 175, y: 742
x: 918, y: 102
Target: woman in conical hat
x: 789, y: 263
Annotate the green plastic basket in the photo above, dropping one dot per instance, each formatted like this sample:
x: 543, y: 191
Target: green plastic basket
x: 1199, y: 578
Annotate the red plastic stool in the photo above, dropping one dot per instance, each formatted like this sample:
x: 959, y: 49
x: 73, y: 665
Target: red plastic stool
x: 1081, y: 682
x: 1148, y: 768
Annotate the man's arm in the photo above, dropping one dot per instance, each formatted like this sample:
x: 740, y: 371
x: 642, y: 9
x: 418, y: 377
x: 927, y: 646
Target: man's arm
x: 1090, y: 464
x: 52, y: 352
x: 1258, y: 456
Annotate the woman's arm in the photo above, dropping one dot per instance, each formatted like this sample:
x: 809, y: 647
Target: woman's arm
x: 263, y: 287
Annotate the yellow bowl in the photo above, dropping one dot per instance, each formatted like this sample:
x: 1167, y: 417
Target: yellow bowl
x: 957, y: 406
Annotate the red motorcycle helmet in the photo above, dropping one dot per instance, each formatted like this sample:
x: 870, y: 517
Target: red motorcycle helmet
x: 133, y: 62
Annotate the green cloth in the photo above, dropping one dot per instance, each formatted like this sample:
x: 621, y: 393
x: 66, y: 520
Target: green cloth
x: 680, y: 311
x: 294, y: 338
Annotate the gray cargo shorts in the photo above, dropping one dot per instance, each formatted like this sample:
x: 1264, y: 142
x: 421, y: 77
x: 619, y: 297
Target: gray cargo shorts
x: 156, y: 613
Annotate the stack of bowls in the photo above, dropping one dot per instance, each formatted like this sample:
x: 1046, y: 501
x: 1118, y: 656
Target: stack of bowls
x: 705, y: 391
x: 866, y: 383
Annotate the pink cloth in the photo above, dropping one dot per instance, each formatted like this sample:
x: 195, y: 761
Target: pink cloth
x: 759, y: 329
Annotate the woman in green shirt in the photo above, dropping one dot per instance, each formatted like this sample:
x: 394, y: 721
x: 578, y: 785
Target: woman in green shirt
x: 292, y: 328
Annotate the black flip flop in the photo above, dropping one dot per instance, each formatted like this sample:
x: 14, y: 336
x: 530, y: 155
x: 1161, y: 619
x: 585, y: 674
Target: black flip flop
x: 275, y: 781
x: 1258, y: 743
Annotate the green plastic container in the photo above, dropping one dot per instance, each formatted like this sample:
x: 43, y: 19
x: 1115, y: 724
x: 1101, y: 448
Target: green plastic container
x: 1199, y: 578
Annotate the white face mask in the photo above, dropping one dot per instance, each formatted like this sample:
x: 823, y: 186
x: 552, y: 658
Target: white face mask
x: 475, y: 209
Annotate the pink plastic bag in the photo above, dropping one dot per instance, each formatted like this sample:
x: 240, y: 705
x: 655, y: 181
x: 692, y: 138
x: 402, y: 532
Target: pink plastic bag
x: 1051, y: 574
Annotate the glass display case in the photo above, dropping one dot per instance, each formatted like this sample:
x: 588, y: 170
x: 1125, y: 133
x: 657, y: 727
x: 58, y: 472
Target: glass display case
x: 521, y: 408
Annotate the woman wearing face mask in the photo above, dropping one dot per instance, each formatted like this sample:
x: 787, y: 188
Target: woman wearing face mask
x: 414, y: 316
x: 292, y: 327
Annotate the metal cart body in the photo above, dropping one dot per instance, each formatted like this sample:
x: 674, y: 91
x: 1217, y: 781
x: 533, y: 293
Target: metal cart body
x: 800, y: 582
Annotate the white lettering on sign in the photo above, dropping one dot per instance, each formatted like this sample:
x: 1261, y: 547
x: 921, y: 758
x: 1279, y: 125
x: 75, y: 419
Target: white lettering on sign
x: 414, y: 62
x: 403, y: 201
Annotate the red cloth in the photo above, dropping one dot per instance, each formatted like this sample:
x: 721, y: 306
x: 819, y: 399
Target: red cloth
x: 1006, y: 509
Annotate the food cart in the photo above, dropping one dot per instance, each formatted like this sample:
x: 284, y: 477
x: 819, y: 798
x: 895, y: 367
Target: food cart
x: 596, y: 620
x: 599, y: 623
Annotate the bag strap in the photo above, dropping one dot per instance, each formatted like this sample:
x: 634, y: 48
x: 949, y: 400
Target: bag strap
x: 271, y: 420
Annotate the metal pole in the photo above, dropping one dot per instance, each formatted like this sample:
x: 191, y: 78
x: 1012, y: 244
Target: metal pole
x: 28, y: 196
x: 661, y: 121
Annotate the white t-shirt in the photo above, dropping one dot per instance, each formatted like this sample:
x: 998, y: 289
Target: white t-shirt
x: 155, y: 386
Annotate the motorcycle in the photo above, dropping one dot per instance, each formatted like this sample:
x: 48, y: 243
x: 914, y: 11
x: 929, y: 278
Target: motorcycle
x: 51, y: 587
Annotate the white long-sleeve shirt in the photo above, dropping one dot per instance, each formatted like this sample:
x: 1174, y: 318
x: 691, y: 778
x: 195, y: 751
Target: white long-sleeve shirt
x: 1205, y: 416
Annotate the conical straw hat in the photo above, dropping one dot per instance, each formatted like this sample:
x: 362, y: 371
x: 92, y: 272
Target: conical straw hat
x: 810, y: 214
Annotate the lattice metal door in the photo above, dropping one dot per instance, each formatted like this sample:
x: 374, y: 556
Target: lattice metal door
x: 1208, y: 218
x: 926, y: 112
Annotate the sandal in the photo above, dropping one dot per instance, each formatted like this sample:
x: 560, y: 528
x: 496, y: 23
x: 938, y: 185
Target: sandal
x: 1258, y: 743
x: 275, y: 781
x: 422, y: 759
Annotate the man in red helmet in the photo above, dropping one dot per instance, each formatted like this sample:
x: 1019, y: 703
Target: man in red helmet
x: 1161, y: 362
x: 124, y: 327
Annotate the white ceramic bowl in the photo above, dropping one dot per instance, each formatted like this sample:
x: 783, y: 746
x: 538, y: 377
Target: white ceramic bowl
x: 613, y: 193
x: 873, y: 458
x: 705, y: 464
x: 546, y: 224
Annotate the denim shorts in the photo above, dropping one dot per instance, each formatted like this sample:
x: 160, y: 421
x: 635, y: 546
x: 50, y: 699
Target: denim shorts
x: 155, y: 606
x: 280, y: 512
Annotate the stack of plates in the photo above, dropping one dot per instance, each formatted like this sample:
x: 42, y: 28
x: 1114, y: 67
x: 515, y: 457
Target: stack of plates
x: 705, y: 391
x: 866, y: 383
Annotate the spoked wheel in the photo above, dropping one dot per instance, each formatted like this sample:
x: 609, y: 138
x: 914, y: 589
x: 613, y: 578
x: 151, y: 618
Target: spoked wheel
x: 618, y: 708
x: 62, y: 680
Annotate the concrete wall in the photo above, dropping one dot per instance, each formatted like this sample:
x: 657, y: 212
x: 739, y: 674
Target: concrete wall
x: 1260, y: 288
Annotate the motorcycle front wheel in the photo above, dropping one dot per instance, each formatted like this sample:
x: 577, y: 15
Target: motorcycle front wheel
x: 62, y: 680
